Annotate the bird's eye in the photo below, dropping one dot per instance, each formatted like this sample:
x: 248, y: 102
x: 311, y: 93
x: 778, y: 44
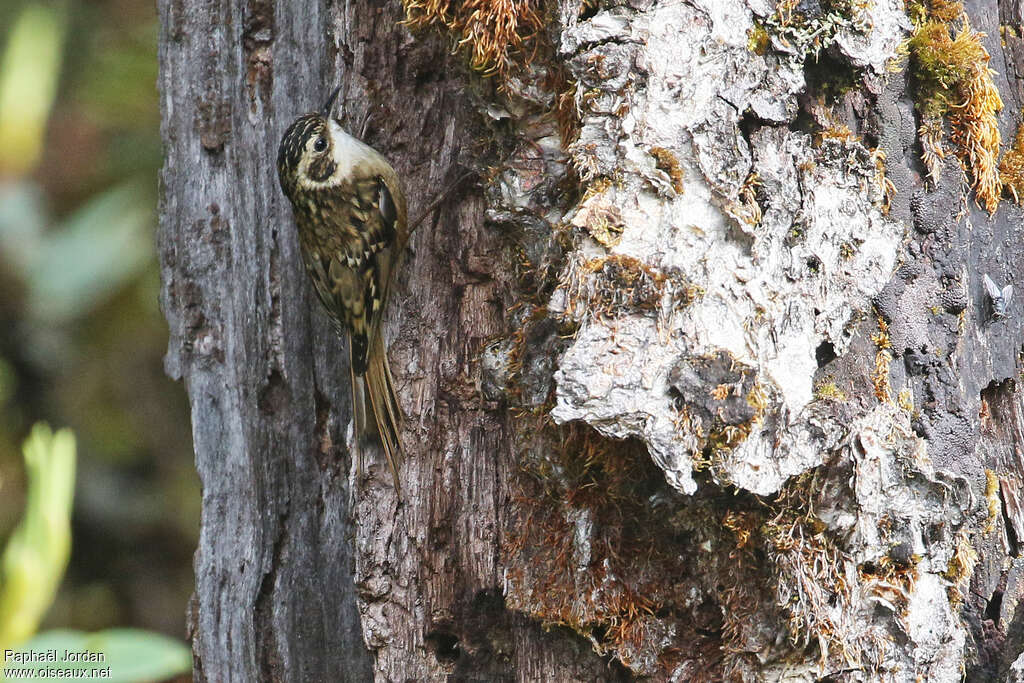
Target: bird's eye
x: 320, y: 144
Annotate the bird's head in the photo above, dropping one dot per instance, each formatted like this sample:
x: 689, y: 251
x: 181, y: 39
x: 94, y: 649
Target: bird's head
x: 312, y: 150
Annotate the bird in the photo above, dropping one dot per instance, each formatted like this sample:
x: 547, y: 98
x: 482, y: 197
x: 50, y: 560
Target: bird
x: 350, y: 216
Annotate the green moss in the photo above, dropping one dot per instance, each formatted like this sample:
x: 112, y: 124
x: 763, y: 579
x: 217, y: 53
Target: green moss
x: 953, y: 81
x: 961, y: 567
x: 940, y: 65
x: 759, y: 41
x: 829, y: 391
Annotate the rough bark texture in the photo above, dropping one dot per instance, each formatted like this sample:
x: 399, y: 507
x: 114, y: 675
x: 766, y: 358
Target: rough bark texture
x: 705, y: 376
x: 276, y: 597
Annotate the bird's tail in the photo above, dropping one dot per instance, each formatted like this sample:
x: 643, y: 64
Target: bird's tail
x: 373, y: 393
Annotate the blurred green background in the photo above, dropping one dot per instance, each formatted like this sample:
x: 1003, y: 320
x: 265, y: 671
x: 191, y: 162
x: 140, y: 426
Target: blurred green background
x: 81, y: 335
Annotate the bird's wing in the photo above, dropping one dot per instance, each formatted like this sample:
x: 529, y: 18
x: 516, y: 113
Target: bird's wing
x: 356, y: 273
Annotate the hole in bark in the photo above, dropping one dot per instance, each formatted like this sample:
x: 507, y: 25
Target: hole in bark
x: 825, y: 353
x: 488, y: 601
x: 274, y: 394
x: 588, y: 10
x: 830, y: 76
x: 445, y: 646
x: 916, y: 361
x: 995, y: 604
x: 749, y: 123
x: 1011, y: 534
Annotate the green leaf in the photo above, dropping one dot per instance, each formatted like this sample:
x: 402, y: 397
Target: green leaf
x: 132, y: 655
x: 28, y: 83
x: 37, y: 553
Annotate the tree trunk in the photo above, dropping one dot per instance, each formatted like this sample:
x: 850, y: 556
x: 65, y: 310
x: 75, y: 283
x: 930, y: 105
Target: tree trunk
x: 701, y: 382
x: 275, y: 594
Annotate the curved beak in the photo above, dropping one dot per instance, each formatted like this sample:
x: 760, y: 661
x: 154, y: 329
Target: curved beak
x: 329, y: 105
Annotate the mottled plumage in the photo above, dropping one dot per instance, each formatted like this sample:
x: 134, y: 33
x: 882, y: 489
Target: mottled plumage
x: 351, y: 219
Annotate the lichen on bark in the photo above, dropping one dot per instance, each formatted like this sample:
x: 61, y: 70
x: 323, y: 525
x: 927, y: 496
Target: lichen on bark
x: 728, y: 241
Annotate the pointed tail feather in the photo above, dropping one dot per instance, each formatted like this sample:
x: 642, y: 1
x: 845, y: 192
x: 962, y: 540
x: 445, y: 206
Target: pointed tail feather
x: 359, y: 410
x: 374, y: 393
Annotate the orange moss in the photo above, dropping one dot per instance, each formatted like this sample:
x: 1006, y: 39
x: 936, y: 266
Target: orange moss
x: 611, y: 580
x: 883, y: 359
x: 961, y: 567
x: 495, y: 33
x: 1011, y: 168
x: 588, y: 550
x: 667, y: 162
x: 888, y: 581
x: 886, y: 188
x: 747, y: 209
x: 566, y: 113
x: 608, y: 285
x: 955, y: 81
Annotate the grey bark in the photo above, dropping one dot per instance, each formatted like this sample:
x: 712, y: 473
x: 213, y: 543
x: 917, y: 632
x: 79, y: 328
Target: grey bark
x: 711, y: 243
x: 276, y: 597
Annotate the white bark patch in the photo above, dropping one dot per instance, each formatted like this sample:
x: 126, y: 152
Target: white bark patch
x: 677, y: 77
x: 875, y: 48
x: 738, y: 250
